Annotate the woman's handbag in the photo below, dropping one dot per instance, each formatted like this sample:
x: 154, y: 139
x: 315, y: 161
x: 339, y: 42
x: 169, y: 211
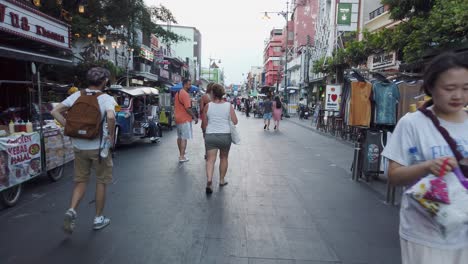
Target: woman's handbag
x: 235, y: 138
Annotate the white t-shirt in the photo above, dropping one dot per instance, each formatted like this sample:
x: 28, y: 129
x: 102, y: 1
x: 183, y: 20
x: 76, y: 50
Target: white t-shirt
x: 106, y: 103
x: 417, y: 130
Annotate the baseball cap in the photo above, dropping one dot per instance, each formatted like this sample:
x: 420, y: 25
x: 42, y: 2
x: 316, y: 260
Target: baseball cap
x: 97, y: 74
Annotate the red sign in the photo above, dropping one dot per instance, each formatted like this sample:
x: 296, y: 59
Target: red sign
x: 154, y: 42
x: 24, y: 21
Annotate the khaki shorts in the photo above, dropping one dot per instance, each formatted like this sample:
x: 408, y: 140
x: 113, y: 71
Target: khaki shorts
x: 87, y: 159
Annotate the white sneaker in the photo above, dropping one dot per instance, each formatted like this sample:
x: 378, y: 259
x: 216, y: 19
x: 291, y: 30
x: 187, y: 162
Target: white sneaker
x: 183, y: 160
x: 100, y: 222
x: 69, y: 221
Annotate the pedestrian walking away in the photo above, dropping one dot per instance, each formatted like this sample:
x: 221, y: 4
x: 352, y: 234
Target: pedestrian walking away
x: 183, y: 117
x: 204, y: 100
x: 425, y: 142
x: 248, y: 106
x: 217, y: 129
x: 93, y: 138
x: 277, y: 112
x: 267, y: 112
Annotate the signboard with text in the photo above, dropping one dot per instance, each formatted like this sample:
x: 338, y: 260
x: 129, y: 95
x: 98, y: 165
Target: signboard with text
x: 18, y: 19
x: 333, y: 97
x: 344, y: 14
x: 20, y: 159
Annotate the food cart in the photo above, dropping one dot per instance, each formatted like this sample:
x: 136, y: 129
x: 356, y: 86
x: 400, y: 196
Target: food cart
x: 32, y: 149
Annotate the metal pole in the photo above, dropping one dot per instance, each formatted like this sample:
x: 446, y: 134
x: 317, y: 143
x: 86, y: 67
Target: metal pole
x: 286, y: 61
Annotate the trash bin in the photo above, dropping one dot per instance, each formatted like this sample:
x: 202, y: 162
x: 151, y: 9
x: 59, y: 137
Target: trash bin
x: 371, y: 153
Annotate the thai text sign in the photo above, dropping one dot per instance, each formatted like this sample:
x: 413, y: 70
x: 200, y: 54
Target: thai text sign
x: 20, y: 159
x: 21, y: 20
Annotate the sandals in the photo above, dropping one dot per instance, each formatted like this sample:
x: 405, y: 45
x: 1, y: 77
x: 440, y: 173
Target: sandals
x: 208, y: 189
x: 223, y: 184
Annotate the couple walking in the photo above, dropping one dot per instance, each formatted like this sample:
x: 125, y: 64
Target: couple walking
x: 216, y: 115
x: 272, y: 110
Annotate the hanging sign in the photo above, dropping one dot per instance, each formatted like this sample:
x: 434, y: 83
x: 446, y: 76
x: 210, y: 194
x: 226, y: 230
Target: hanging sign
x: 20, y: 159
x: 333, y: 97
x: 344, y: 14
x: 21, y: 20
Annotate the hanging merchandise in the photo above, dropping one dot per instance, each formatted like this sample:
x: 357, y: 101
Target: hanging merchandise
x: 386, y: 96
x: 408, y: 97
x: 360, y: 105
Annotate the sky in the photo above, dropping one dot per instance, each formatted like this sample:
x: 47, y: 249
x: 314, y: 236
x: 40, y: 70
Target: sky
x: 233, y: 31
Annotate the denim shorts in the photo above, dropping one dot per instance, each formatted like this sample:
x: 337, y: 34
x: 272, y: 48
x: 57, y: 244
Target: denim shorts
x: 267, y: 116
x: 184, y: 130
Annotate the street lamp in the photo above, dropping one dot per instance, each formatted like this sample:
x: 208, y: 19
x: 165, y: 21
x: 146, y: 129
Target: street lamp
x: 115, y: 45
x: 209, y: 67
x: 286, y: 17
x: 129, y: 58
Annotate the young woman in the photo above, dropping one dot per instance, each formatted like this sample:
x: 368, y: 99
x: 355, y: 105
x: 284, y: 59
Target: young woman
x: 277, y: 112
x: 446, y: 80
x: 217, y: 130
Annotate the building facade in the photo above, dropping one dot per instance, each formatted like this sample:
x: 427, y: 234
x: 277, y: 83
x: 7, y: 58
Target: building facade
x: 272, y: 56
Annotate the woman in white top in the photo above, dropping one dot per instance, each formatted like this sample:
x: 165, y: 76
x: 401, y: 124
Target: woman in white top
x: 217, y: 131
x: 435, y: 134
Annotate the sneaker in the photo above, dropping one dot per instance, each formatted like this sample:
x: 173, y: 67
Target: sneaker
x: 100, y: 222
x: 69, y: 221
x: 183, y: 160
x: 155, y: 139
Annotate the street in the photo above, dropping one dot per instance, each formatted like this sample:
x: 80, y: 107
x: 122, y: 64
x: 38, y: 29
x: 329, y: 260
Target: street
x: 290, y: 199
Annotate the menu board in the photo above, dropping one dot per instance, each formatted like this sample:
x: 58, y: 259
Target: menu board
x: 20, y: 159
x: 58, y: 148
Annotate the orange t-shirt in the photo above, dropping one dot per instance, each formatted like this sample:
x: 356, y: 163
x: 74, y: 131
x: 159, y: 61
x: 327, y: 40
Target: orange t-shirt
x: 181, y: 103
x: 360, y: 105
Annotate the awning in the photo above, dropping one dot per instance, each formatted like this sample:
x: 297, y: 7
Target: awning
x: 147, y: 75
x: 23, y: 55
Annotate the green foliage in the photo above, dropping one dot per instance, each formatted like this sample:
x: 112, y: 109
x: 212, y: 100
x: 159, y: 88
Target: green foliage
x: 401, y: 9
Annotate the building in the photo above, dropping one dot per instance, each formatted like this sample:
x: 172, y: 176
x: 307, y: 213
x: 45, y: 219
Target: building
x: 272, y: 57
x: 213, y: 74
x: 254, y: 79
x: 375, y: 17
x: 189, y: 50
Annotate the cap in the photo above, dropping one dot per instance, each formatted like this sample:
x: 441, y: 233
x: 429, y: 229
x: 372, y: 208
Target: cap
x: 97, y: 74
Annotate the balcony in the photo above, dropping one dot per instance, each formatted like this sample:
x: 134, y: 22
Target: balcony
x: 379, y: 18
x: 377, y: 12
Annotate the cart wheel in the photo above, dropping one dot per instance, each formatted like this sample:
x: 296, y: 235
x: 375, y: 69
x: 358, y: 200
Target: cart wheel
x: 11, y: 196
x: 56, y: 173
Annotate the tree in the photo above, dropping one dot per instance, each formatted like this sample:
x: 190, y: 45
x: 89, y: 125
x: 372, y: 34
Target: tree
x: 402, y: 9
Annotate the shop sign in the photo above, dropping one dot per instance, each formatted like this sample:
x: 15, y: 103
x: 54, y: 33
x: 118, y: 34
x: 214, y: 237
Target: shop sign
x: 21, y: 20
x: 20, y: 159
x: 382, y: 60
x: 176, y: 78
x: 154, y: 42
x: 163, y: 73
x: 333, y: 97
x: 344, y: 14
x: 146, y: 53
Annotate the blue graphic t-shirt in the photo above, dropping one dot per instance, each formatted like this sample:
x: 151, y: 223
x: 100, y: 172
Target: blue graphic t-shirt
x: 386, y: 96
x: 415, y: 130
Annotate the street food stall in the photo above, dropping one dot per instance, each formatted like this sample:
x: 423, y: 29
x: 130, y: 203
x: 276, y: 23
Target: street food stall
x: 31, y: 143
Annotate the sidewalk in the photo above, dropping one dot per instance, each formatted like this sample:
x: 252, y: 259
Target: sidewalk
x: 379, y: 185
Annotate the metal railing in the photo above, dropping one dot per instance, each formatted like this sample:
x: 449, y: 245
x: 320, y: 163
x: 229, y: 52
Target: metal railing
x: 377, y: 12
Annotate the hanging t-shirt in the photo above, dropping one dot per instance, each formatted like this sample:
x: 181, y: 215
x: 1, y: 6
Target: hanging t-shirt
x: 360, y: 105
x: 386, y: 96
x: 416, y: 130
x: 408, y: 92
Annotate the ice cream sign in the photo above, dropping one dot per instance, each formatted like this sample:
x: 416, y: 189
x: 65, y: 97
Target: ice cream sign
x: 333, y: 98
x: 18, y: 19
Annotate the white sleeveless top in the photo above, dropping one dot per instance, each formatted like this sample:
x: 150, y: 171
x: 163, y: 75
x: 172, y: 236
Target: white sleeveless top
x: 218, y: 118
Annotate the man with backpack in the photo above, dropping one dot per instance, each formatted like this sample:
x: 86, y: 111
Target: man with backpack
x: 90, y: 123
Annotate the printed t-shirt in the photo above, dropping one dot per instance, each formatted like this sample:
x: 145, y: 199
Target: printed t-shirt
x: 360, y: 105
x: 181, y: 103
x: 407, y: 93
x: 386, y: 96
x: 106, y: 103
x: 416, y: 130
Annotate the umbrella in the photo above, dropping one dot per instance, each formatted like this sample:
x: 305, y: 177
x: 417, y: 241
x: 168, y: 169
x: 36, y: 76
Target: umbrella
x: 178, y: 86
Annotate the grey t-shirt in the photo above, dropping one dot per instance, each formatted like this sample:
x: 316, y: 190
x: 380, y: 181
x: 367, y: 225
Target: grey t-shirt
x: 268, y: 106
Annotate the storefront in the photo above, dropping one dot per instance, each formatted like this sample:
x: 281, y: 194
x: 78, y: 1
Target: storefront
x: 31, y: 143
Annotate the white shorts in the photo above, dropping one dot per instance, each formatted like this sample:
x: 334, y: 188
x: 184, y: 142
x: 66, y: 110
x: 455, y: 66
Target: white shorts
x: 412, y: 253
x: 184, y: 130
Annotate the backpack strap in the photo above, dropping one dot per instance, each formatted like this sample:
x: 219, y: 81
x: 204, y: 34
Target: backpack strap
x: 445, y: 134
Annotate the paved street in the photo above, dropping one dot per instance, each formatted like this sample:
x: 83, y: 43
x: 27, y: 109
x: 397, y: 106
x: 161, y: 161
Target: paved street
x: 289, y: 200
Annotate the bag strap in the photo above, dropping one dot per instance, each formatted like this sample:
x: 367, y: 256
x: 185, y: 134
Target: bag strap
x: 445, y: 134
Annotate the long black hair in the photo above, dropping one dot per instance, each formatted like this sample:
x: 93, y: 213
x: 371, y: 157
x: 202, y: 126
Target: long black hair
x: 278, y: 102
